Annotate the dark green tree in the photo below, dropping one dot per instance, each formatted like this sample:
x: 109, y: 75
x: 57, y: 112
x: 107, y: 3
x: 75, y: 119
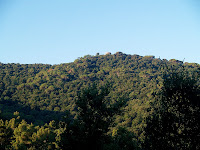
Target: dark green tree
x: 6, y: 134
x: 122, y: 139
x: 95, y: 116
x: 175, y: 122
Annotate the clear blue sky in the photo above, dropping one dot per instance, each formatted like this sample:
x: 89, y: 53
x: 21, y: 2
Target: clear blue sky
x: 60, y: 31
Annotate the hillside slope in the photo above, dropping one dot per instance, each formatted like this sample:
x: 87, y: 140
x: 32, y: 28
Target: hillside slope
x: 41, y: 93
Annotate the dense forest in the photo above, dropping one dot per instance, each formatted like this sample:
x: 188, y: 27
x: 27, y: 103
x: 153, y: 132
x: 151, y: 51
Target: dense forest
x: 116, y: 101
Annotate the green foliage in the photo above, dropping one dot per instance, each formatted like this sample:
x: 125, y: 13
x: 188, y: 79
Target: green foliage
x: 175, y: 121
x: 95, y: 116
x: 6, y: 134
x: 41, y: 93
x: 21, y: 135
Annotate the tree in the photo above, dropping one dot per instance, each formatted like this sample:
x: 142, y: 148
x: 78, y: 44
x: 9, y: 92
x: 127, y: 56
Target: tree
x: 122, y: 139
x: 95, y: 116
x: 44, y: 138
x: 23, y: 135
x: 175, y: 122
x: 6, y: 134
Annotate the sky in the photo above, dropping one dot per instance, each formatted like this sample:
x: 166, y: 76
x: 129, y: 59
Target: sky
x: 60, y: 31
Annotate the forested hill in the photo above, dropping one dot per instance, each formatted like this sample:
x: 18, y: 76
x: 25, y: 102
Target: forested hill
x: 41, y: 92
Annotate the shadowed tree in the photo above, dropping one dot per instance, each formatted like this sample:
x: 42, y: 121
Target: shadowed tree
x: 175, y: 122
x: 6, y: 134
x: 95, y: 116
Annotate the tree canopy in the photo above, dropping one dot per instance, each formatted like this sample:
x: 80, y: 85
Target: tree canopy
x: 124, y: 100
x: 174, y: 123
